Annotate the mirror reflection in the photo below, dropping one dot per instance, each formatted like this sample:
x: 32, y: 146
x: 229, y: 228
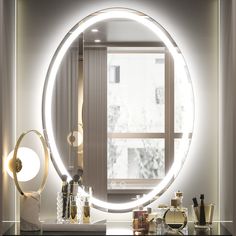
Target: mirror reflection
x: 118, y: 109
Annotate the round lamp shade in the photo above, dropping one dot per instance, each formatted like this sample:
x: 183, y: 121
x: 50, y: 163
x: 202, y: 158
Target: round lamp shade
x: 29, y: 164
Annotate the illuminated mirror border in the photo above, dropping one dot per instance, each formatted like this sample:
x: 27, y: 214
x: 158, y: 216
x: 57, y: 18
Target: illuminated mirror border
x: 118, y: 13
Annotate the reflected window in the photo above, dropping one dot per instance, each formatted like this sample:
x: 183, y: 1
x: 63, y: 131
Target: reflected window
x: 136, y: 118
x: 144, y: 117
x: 136, y: 98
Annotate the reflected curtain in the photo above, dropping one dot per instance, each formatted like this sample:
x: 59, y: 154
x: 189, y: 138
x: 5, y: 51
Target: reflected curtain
x: 95, y: 120
x: 65, y: 107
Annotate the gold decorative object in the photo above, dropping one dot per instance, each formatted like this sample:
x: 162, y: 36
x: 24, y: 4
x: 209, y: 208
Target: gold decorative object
x: 15, y: 164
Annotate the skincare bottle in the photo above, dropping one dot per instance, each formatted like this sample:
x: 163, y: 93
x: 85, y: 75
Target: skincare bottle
x: 89, y: 191
x: 139, y: 218
x: 86, y: 212
x: 64, y: 191
x: 140, y: 222
x: 151, y: 220
x: 73, y: 210
x: 202, y: 218
x: 195, y: 208
x: 160, y: 226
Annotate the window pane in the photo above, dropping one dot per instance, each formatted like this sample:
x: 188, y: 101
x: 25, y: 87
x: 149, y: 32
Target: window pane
x: 184, y: 105
x: 136, y: 92
x: 135, y: 159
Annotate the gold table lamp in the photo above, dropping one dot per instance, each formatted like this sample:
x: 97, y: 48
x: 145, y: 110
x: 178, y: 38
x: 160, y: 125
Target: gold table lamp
x: 29, y: 201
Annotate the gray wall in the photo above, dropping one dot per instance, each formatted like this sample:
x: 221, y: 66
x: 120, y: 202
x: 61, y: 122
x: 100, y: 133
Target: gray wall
x: 234, y: 108
x: 227, y: 110
x: 7, y: 107
x: 192, y: 24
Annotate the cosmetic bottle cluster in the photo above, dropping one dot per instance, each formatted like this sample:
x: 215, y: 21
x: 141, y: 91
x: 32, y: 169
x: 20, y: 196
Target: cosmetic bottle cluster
x: 72, y: 206
x: 163, y: 219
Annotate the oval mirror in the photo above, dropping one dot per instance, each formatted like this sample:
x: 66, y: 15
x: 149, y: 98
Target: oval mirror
x: 118, y: 104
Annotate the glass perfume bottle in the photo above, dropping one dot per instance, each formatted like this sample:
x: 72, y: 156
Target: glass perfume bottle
x: 175, y: 217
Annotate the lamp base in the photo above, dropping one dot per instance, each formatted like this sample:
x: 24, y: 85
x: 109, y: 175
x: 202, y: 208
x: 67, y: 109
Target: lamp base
x: 29, y: 212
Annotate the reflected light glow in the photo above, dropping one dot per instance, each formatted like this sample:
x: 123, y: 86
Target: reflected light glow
x: 51, y: 77
x: 97, y: 41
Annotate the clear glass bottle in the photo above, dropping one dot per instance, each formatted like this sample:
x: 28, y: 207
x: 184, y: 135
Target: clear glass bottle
x: 73, y: 210
x: 161, y: 227
x: 60, y: 218
x: 175, y: 217
x: 86, y: 212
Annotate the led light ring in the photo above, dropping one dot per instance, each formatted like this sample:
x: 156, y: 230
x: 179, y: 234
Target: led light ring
x: 46, y: 155
x: 158, y: 30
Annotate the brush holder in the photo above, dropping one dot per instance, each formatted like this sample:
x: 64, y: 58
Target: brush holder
x: 209, y: 211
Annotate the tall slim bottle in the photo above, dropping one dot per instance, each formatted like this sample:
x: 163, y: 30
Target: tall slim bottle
x: 202, y: 218
x: 86, y: 212
x: 64, y: 191
x: 73, y: 210
x: 195, y: 208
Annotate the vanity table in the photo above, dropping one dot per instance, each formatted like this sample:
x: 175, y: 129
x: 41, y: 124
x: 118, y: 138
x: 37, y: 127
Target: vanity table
x: 122, y: 228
